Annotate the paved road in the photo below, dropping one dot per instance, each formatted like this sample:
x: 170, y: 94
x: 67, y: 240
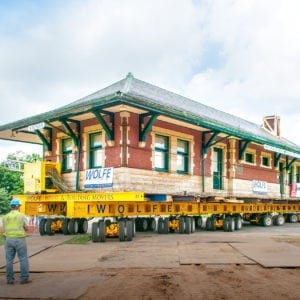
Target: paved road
x: 55, y: 265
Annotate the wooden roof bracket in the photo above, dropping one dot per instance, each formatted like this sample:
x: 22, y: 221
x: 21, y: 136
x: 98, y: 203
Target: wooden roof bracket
x: 46, y: 140
x: 109, y: 132
x: 289, y: 164
x: 74, y: 135
x: 243, y: 145
x: 211, y: 141
x: 277, y: 157
x: 145, y: 129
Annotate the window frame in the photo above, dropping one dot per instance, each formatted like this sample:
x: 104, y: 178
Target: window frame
x: 94, y: 149
x: 185, y: 155
x: 67, y: 155
x: 253, y: 155
x: 164, y: 151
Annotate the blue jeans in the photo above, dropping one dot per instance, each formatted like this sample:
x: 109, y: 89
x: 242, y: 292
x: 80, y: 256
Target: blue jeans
x: 17, y: 246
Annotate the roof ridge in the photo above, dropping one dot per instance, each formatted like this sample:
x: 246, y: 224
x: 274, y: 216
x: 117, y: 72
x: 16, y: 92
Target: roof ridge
x: 129, y: 78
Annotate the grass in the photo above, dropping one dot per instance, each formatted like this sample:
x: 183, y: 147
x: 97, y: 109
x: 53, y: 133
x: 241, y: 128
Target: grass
x: 1, y: 239
x: 79, y: 239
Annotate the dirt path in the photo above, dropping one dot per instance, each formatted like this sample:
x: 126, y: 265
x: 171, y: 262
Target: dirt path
x: 204, y: 265
x: 198, y: 282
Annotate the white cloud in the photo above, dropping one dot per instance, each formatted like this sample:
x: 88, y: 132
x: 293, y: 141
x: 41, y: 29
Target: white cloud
x: 260, y: 55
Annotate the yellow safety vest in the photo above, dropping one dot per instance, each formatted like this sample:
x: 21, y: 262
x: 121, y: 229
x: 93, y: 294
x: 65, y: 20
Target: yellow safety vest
x: 13, y: 224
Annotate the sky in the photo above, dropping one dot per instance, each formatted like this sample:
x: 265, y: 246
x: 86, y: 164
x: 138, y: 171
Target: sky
x: 238, y: 56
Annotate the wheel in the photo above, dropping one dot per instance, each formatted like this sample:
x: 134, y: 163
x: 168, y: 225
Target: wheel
x: 199, y: 222
x: 188, y: 225
x: 193, y: 225
x: 129, y: 230
x: 160, y: 226
x: 181, y: 225
x: 231, y: 224
x: 101, y: 226
x: 42, y: 228
x: 293, y: 218
x: 226, y: 224
x: 122, y: 230
x: 279, y: 220
x: 95, y: 232
x: 152, y: 225
x: 238, y: 222
x: 48, y: 225
x: 65, y: 226
x: 73, y: 226
x: 166, y: 225
x: 83, y: 225
x: 210, y: 224
x: 267, y: 220
x: 133, y: 227
x: 144, y: 224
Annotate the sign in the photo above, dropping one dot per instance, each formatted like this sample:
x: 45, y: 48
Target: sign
x: 98, y: 178
x: 295, y: 189
x: 14, y: 165
x: 37, y: 126
x: 282, y: 151
x: 259, y: 187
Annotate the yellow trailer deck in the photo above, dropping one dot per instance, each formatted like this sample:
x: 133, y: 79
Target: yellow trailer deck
x: 122, y: 213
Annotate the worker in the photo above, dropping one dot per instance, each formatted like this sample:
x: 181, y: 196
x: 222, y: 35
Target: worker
x: 14, y: 228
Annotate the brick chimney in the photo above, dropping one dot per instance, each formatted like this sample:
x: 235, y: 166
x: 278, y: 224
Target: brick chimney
x: 272, y: 125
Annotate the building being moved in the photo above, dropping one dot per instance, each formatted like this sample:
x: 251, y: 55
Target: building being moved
x: 134, y: 136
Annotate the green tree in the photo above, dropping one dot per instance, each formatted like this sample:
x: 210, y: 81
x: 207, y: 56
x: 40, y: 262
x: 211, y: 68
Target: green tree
x: 4, y: 201
x: 11, y: 182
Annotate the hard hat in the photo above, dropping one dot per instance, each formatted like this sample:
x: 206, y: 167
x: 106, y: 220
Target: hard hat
x: 15, y: 202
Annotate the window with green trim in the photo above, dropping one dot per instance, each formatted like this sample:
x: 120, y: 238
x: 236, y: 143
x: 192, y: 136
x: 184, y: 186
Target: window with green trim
x: 182, y: 156
x: 249, y: 158
x: 298, y: 175
x: 67, y: 155
x: 95, y: 151
x: 161, y: 158
x: 265, y: 161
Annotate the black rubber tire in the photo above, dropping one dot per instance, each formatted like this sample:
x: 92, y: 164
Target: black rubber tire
x: 95, y: 232
x: 226, y: 223
x: 293, y: 218
x: 129, y: 230
x: 65, y: 229
x: 133, y: 228
x: 210, y: 224
x: 122, y: 229
x: 101, y: 231
x: 166, y: 226
x: 181, y: 225
x: 267, y: 220
x: 152, y: 225
x: 42, y: 224
x: 238, y: 222
x: 144, y: 224
x: 279, y: 220
x: 188, y: 225
x: 48, y: 227
x: 199, y: 222
x: 83, y: 225
x: 73, y: 226
x: 231, y: 224
x: 160, y: 226
x: 193, y: 225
